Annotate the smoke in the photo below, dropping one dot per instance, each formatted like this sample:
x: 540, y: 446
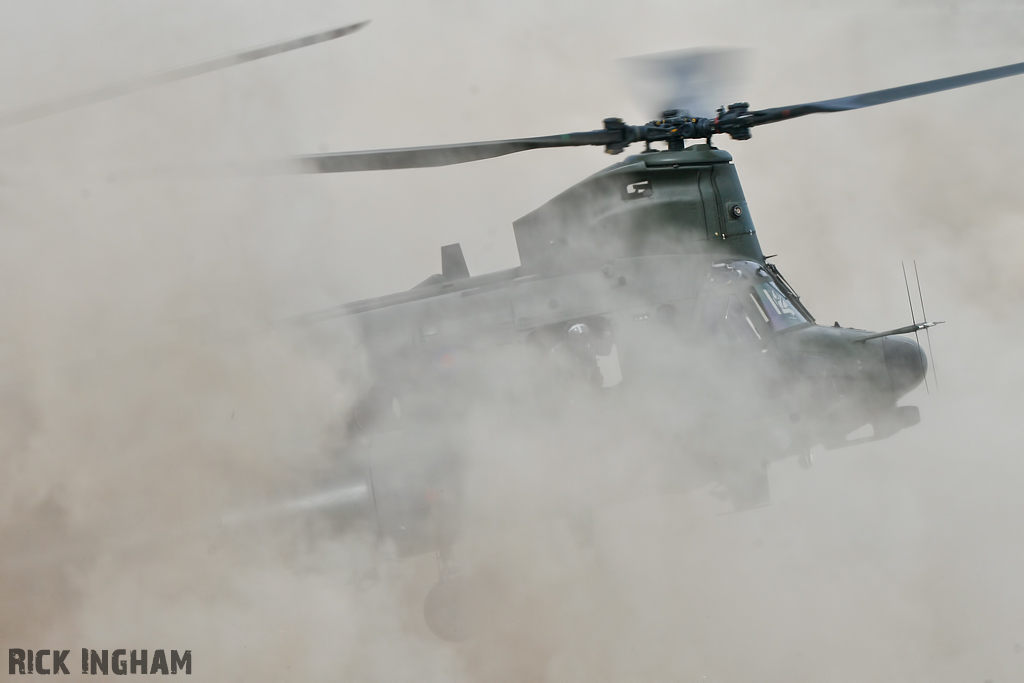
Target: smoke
x: 150, y: 387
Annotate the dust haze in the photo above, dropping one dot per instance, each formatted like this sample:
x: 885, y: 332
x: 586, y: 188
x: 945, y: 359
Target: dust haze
x: 149, y: 385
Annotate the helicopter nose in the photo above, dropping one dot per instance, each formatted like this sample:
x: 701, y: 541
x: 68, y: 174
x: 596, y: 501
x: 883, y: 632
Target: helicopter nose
x: 906, y: 363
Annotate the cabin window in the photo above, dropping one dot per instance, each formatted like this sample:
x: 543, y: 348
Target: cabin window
x: 778, y: 310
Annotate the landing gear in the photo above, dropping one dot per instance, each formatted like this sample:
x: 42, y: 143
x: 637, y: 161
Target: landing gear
x: 806, y: 460
x: 454, y: 608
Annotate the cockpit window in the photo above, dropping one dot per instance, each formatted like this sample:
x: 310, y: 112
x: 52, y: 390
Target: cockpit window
x: 779, y: 310
x: 729, y: 322
x: 740, y: 322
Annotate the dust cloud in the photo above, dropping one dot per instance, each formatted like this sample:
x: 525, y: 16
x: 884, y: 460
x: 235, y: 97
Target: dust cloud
x: 149, y: 387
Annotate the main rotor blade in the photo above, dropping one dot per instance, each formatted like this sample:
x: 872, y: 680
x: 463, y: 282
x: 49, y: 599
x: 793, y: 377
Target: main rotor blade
x: 870, y: 99
x: 426, y: 157
x: 108, y: 92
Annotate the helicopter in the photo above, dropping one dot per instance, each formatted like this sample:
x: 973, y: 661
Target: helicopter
x: 644, y: 268
x: 651, y: 267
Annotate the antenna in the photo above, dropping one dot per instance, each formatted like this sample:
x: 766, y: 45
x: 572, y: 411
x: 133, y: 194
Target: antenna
x: 913, y: 319
x: 927, y: 334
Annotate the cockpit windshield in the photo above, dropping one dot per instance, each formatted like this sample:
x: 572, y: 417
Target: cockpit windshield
x: 780, y: 311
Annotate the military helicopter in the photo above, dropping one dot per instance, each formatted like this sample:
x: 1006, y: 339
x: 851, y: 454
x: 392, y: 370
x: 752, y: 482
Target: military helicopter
x: 648, y: 269
x: 623, y: 277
